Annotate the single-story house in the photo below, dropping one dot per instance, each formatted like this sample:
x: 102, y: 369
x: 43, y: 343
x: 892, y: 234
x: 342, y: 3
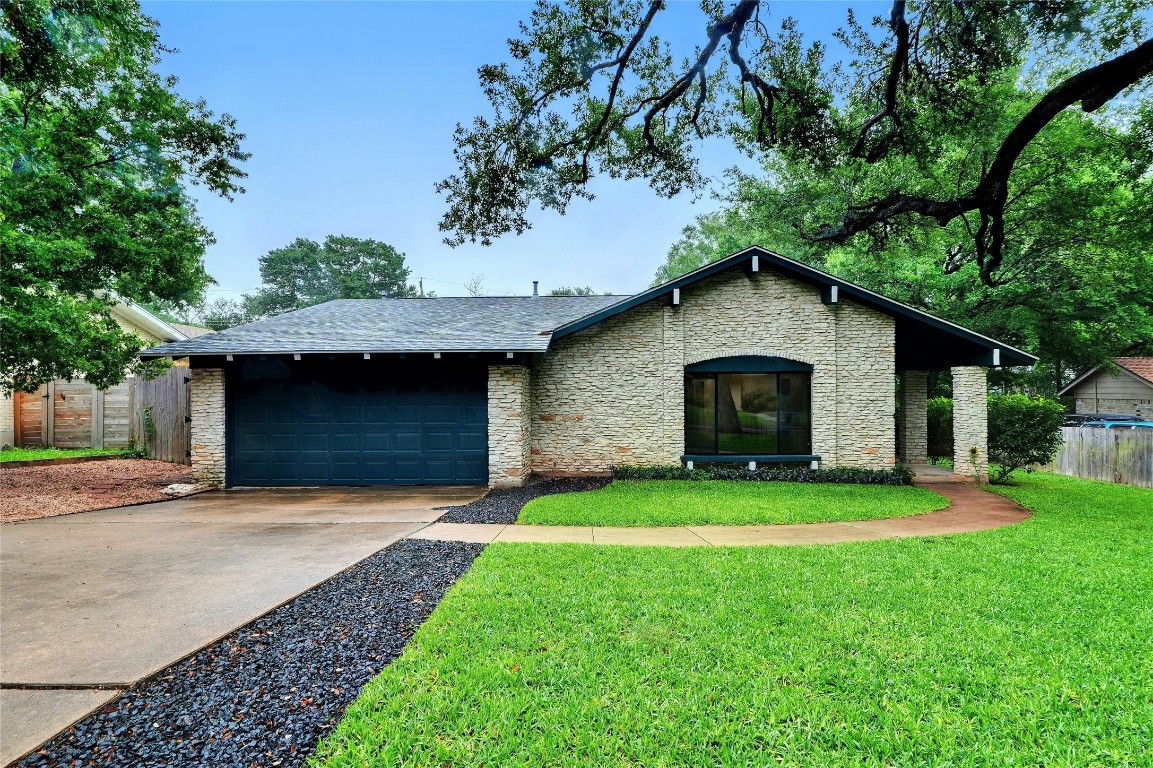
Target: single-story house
x: 73, y: 413
x: 755, y: 358
x: 1125, y: 391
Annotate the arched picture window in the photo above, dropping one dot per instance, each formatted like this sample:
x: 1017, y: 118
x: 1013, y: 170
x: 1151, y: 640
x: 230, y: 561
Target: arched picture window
x: 748, y: 406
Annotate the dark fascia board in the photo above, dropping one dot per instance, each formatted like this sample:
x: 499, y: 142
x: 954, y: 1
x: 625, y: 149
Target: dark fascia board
x: 157, y: 352
x: 804, y: 273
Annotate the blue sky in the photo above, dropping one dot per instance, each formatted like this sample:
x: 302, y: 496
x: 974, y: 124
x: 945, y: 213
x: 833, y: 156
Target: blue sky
x: 349, y: 109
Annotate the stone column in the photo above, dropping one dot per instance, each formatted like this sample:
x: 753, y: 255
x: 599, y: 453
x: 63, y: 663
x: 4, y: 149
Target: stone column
x: 914, y: 417
x: 509, y: 425
x: 971, y: 423
x: 7, y: 420
x: 207, y: 401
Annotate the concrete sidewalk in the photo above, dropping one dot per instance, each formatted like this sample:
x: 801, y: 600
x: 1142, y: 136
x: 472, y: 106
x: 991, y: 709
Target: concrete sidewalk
x: 971, y: 509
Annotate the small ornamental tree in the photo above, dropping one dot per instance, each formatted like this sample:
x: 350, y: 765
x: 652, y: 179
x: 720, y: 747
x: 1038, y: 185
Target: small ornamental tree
x: 1023, y: 430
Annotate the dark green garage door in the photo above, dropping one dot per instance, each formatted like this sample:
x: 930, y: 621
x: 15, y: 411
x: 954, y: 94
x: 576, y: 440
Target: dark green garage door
x: 333, y: 422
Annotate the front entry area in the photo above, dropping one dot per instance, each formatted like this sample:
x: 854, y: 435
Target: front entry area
x: 338, y: 421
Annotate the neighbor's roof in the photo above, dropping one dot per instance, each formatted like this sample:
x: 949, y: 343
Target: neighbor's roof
x: 142, y: 318
x: 191, y: 331
x: 449, y: 324
x: 1141, y: 367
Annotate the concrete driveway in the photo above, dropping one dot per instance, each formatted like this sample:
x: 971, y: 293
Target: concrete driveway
x: 93, y: 602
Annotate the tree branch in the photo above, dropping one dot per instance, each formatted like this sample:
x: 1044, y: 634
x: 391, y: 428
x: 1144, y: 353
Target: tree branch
x: 897, y: 69
x: 1092, y: 88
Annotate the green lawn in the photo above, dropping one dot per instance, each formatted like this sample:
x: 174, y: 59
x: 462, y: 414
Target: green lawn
x: 724, y: 502
x: 1027, y: 645
x: 28, y: 454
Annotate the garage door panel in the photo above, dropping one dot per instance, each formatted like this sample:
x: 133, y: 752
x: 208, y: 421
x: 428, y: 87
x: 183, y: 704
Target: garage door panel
x: 329, y: 423
x: 439, y: 441
x: 406, y: 442
x: 472, y: 441
x: 377, y: 441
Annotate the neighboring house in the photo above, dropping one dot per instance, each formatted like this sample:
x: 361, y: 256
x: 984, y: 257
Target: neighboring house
x: 754, y: 358
x: 73, y: 414
x: 1126, y: 391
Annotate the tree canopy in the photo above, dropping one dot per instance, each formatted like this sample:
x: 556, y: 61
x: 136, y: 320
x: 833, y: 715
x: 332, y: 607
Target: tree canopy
x: 96, y: 151
x: 305, y: 272
x: 1075, y: 284
x: 592, y: 88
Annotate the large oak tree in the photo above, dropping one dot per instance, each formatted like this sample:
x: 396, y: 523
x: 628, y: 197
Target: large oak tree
x: 96, y: 152
x: 591, y: 88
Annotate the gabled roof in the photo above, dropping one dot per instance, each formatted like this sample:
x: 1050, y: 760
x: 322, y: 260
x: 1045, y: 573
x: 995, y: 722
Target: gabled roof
x: 924, y: 342
x: 1141, y: 367
x: 449, y: 324
x: 530, y: 323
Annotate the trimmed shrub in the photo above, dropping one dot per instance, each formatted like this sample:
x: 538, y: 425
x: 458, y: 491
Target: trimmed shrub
x: 1023, y: 430
x: 898, y: 475
x: 940, y: 428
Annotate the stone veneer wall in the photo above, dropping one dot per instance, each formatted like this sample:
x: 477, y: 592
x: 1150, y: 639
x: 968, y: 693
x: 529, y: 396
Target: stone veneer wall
x: 207, y: 405
x: 971, y: 422
x: 614, y: 394
x: 509, y: 424
x: 7, y: 420
x: 914, y: 416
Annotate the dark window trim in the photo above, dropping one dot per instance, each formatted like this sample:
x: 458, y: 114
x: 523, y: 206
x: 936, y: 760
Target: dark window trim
x: 749, y: 364
x: 702, y: 373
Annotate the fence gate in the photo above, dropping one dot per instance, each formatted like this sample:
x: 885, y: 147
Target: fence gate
x: 163, y: 414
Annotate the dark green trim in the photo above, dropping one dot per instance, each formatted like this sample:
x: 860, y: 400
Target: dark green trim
x: 821, y: 280
x: 749, y: 364
x: 726, y: 458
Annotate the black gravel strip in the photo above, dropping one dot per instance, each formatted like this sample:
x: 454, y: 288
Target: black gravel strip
x: 264, y: 695
x: 504, y: 504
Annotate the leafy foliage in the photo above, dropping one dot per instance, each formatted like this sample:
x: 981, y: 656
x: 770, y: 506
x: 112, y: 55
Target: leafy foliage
x: 569, y: 290
x: 1023, y: 431
x: 1076, y: 277
x: 940, y: 426
x: 306, y: 272
x: 591, y: 87
x: 899, y: 475
x: 95, y: 152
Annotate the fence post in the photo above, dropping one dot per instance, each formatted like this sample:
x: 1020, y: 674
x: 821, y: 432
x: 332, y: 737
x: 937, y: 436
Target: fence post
x: 48, y: 426
x: 97, y: 417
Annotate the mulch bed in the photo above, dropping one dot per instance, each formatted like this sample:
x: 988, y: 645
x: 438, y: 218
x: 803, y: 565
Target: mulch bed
x: 28, y: 493
x: 503, y: 505
x: 265, y: 695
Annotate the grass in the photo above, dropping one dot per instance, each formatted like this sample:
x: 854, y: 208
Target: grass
x: 1028, y: 645
x: 725, y: 502
x: 29, y: 454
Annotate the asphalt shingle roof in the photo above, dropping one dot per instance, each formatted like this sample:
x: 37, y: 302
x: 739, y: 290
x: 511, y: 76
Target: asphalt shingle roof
x: 450, y: 324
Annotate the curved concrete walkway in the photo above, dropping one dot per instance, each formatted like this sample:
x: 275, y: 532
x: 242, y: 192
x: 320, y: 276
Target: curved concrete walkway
x: 970, y: 509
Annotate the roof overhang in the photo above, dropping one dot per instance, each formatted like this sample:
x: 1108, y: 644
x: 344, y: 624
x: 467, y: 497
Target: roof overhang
x: 924, y: 342
x: 139, y: 316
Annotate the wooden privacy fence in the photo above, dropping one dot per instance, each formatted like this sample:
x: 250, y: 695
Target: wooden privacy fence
x: 153, y: 415
x: 1113, y: 455
x: 162, y: 418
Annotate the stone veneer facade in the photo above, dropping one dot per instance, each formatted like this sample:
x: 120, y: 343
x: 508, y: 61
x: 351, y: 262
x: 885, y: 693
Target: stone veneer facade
x: 207, y: 405
x: 971, y: 423
x: 614, y: 393
x: 914, y: 417
x: 509, y: 425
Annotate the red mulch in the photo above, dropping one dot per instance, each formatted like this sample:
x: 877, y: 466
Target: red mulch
x: 27, y: 493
